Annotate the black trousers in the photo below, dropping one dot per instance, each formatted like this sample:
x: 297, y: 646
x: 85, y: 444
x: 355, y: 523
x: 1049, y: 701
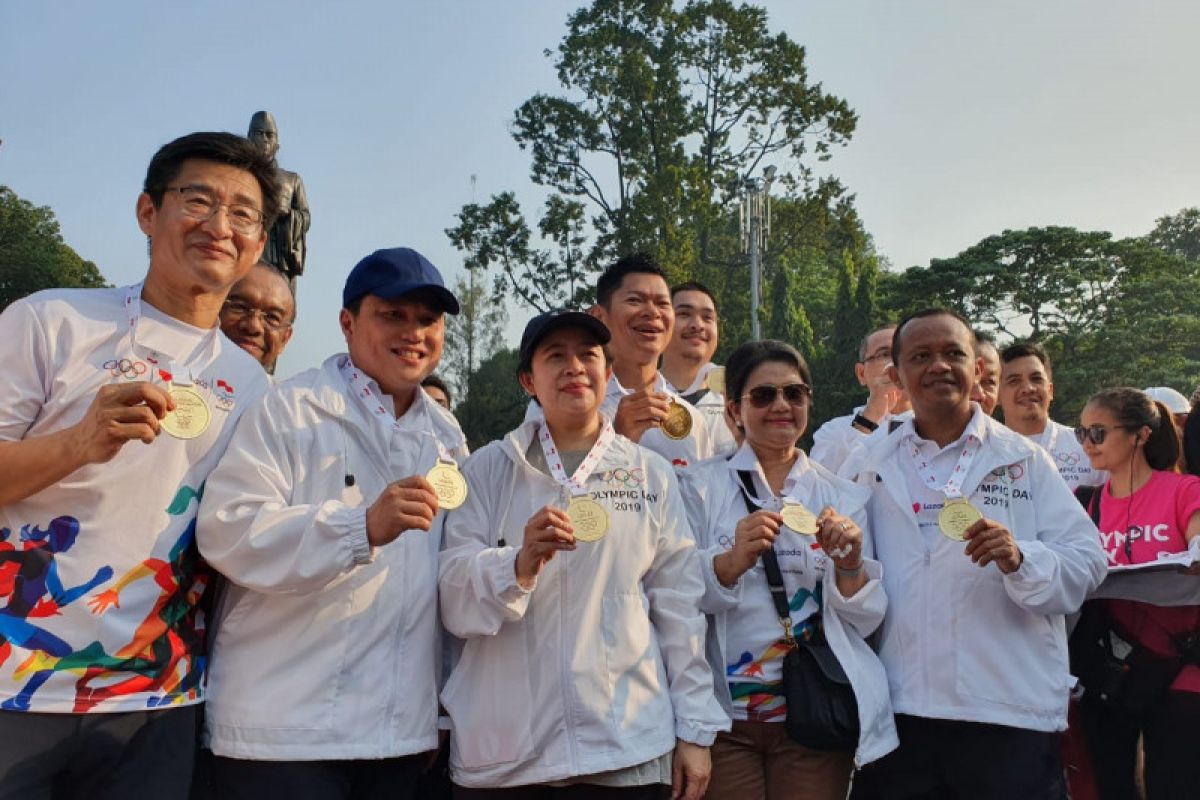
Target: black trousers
x: 947, y: 760
x: 374, y: 779
x: 580, y: 791
x: 1170, y: 730
x: 97, y: 756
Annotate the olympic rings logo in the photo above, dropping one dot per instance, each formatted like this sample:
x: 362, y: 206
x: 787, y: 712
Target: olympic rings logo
x: 124, y: 368
x: 629, y: 478
x: 1067, y: 459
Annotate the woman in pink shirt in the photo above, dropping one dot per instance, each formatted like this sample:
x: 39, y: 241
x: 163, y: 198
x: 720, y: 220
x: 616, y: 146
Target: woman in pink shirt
x: 1146, y: 510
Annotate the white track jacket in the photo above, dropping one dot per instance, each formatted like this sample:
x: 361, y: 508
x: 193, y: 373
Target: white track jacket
x: 715, y: 505
x: 962, y: 642
x: 601, y: 665
x: 324, y: 649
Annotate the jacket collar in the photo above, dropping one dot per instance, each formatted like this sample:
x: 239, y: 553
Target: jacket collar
x: 331, y: 393
x: 804, y: 472
x: 519, y: 439
x: 1001, y: 447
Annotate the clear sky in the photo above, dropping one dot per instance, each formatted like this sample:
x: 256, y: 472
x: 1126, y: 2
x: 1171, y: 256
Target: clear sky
x: 975, y: 116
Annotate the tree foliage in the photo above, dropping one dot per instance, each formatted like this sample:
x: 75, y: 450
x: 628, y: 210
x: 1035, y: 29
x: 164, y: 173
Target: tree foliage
x: 664, y: 113
x: 495, y: 402
x: 33, y: 255
x: 473, y: 335
x: 1109, y: 312
x: 1178, y: 234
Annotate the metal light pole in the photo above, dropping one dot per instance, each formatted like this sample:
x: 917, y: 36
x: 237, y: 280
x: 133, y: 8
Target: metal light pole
x: 755, y: 217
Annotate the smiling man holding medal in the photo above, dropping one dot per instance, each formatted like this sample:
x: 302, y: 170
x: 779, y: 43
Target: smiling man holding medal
x: 115, y: 406
x: 571, y: 574
x: 984, y: 552
x: 633, y: 300
x: 324, y: 516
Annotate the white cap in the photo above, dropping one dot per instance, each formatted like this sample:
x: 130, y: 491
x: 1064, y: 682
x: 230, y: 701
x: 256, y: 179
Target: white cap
x: 1175, y: 402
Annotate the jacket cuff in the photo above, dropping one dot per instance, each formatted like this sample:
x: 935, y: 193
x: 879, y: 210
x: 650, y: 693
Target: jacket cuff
x: 361, y: 551
x: 508, y: 588
x: 874, y: 572
x: 694, y: 733
x: 718, y: 596
x: 1037, y: 570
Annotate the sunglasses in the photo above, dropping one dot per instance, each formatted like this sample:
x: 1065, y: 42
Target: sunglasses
x: 1095, y: 434
x: 797, y: 394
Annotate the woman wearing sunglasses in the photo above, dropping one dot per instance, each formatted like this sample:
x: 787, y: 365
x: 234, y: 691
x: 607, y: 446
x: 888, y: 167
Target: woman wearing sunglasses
x: 1145, y: 510
x: 769, y: 495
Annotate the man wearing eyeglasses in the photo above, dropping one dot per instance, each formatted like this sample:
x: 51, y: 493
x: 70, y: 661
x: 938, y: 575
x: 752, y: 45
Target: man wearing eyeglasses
x: 1026, y: 391
x: 834, y: 441
x: 115, y: 406
x: 259, y: 313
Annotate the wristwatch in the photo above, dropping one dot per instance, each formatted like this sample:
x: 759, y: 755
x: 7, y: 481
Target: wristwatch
x: 862, y: 422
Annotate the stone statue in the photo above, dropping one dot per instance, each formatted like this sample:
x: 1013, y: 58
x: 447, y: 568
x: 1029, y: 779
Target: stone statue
x: 285, y: 248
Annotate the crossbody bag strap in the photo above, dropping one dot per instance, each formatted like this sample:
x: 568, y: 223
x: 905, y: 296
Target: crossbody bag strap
x: 771, y: 566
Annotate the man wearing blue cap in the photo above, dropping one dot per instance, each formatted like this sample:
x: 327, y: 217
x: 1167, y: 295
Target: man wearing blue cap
x: 324, y: 517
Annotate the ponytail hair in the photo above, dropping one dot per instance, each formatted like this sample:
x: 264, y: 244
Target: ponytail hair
x: 1134, y: 410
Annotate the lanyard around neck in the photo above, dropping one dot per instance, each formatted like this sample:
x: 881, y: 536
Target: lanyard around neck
x: 575, y: 483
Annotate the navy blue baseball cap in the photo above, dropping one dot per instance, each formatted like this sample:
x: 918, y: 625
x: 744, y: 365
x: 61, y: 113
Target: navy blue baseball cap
x: 395, y: 272
x: 541, y: 325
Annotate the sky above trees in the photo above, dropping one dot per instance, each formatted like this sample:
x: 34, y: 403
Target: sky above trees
x: 973, y: 117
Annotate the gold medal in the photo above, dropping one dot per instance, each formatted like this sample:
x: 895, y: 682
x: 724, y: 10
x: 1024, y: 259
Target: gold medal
x: 588, y: 518
x: 678, y: 423
x: 191, y: 415
x: 716, y: 380
x: 799, y: 518
x: 956, y: 516
x: 448, y: 484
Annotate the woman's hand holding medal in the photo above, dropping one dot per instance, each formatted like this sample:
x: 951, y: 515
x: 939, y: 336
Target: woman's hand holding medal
x: 753, y: 536
x: 403, y: 505
x: 988, y: 541
x: 118, y: 414
x: 840, y: 538
x: 547, y: 531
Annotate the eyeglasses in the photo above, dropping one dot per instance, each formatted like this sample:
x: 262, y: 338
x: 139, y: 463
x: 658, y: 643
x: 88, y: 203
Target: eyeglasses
x: 797, y: 394
x: 200, y: 204
x: 883, y: 354
x: 238, y: 310
x: 1095, y: 433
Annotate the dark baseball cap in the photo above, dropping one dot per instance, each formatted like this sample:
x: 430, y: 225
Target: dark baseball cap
x: 395, y: 272
x: 543, y: 324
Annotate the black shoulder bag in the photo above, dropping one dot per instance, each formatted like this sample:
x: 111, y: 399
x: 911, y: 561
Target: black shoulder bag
x: 822, y: 712
x: 1122, y: 675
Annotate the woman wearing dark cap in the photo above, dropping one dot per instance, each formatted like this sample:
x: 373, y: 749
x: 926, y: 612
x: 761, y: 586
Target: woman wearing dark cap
x: 769, y: 497
x: 572, y: 576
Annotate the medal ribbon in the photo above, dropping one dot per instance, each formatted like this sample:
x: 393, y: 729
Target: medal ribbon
x: 361, y: 385
x: 771, y: 502
x: 1053, y: 436
x: 660, y: 385
x: 952, y: 488
x: 575, y: 483
x: 171, y: 374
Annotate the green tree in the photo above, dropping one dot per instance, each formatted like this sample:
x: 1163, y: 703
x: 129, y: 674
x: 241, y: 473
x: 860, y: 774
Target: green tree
x: 33, y: 255
x: 495, y: 401
x: 473, y: 335
x: 496, y: 235
x: 665, y: 110
x: 1178, y: 234
x: 1108, y: 312
x: 1033, y: 283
